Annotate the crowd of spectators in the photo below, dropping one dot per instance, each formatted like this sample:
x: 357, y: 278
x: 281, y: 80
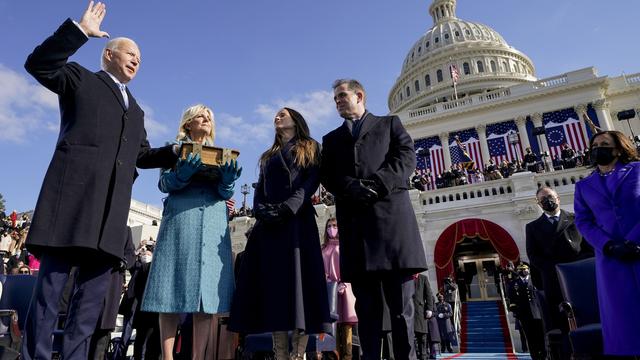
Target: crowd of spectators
x: 457, y: 174
x: 13, y: 233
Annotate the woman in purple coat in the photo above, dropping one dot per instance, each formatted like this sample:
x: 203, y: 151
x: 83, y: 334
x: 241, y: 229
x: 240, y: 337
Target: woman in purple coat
x: 607, y: 204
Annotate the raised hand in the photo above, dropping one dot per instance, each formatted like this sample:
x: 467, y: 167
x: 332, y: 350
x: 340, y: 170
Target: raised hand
x: 92, y: 18
x: 230, y: 172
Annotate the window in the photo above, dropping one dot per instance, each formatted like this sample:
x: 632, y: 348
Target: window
x: 408, y: 91
x: 446, y: 36
x: 426, y: 45
x: 493, y: 66
x: 439, y: 75
x: 457, y: 33
x: 400, y: 95
x: 505, y: 66
x: 437, y: 40
x: 466, y: 31
x: 480, y: 66
x: 412, y: 54
x: 419, y: 49
x: 466, y: 69
x: 427, y: 80
x: 416, y: 85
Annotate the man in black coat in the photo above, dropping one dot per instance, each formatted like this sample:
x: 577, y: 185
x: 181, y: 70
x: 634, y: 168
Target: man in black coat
x: 366, y: 165
x: 553, y: 239
x: 81, y: 214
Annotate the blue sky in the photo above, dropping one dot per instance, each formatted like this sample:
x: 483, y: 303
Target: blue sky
x: 246, y: 59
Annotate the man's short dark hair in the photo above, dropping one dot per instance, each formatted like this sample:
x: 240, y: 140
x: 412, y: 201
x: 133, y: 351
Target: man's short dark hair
x: 543, y: 187
x: 353, y: 85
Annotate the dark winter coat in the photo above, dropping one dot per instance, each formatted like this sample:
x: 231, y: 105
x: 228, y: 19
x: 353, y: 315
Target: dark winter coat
x: 383, y: 236
x: 423, y: 300
x: 85, y: 197
x: 281, y: 282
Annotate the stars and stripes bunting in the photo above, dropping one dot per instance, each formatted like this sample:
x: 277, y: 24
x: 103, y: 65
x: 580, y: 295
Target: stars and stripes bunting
x: 498, y: 142
x: 563, y: 127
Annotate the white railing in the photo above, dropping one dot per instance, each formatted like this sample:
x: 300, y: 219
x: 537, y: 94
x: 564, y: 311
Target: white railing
x: 457, y: 103
x: 457, y: 317
x: 503, y: 297
x: 551, y: 82
x: 632, y: 79
x: 494, y: 95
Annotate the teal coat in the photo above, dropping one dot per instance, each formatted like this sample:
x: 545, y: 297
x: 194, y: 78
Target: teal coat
x: 192, y: 268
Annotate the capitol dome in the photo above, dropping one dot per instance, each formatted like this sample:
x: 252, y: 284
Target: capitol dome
x: 484, y: 60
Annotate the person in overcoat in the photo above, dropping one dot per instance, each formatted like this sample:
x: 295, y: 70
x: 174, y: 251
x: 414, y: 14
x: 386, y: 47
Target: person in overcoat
x: 366, y: 165
x: 192, y: 268
x: 281, y: 285
x: 553, y: 239
x: 425, y: 324
x: 607, y: 204
x: 81, y: 214
x: 444, y: 313
x: 347, y: 317
x: 522, y: 303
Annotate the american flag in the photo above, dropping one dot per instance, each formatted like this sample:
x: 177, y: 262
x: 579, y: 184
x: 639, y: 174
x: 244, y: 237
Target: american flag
x: 455, y: 74
x: 470, y: 144
x: 563, y: 127
x: 498, y: 141
x: 231, y: 205
x: 432, y: 155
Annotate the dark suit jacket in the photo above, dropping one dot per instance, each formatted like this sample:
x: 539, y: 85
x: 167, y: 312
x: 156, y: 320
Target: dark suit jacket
x: 549, y: 245
x: 86, y: 193
x: 383, y: 236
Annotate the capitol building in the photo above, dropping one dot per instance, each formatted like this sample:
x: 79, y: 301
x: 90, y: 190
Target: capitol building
x: 477, y: 227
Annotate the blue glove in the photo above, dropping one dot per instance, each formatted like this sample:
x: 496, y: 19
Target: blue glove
x: 187, y: 167
x: 230, y: 172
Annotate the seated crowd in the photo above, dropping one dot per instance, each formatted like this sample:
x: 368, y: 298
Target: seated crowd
x: 13, y: 233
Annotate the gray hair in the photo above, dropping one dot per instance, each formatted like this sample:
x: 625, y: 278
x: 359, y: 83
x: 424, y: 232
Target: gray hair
x: 113, y: 44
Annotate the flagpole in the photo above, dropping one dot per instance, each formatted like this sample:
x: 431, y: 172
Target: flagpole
x: 455, y: 88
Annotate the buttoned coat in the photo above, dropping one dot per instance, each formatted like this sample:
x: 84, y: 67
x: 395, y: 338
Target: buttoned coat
x: 551, y: 244
x: 423, y: 300
x: 281, y: 282
x: 603, y: 215
x: 85, y: 197
x: 385, y: 235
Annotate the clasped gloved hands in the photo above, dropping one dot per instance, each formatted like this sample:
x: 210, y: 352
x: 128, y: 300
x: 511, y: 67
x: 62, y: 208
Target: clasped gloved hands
x: 364, y: 191
x: 230, y: 172
x: 272, y: 213
x: 625, y: 251
x: 187, y: 167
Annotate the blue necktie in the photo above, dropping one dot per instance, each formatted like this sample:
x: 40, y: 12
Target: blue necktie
x: 123, y: 91
x: 553, y: 219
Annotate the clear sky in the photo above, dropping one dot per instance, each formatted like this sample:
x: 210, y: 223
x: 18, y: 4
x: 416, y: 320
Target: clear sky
x: 246, y: 59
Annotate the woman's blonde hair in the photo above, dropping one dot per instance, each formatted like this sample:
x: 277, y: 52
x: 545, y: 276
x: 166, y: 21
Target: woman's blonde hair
x: 191, y: 113
x: 305, y: 151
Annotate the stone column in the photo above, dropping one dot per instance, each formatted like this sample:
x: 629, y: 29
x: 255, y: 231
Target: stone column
x: 484, y: 146
x: 581, y: 109
x: 444, y: 139
x: 602, y: 110
x: 521, y: 122
x: 544, y: 147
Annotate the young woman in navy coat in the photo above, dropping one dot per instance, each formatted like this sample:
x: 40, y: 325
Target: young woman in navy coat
x: 607, y: 204
x: 281, y: 283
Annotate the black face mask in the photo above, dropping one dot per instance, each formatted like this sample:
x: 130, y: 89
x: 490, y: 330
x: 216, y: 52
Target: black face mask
x: 602, y: 155
x: 548, y: 203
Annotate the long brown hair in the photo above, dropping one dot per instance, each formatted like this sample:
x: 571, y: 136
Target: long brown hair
x: 627, y: 149
x: 305, y: 150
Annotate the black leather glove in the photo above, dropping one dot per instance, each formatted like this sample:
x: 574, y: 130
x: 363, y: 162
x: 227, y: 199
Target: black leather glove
x: 362, y: 191
x: 272, y: 213
x: 625, y: 251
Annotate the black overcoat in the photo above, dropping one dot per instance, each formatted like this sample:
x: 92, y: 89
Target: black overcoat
x: 423, y: 300
x: 85, y: 197
x: 549, y: 245
x: 281, y: 282
x: 383, y: 236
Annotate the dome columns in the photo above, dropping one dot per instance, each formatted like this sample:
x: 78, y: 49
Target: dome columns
x: 521, y: 123
x: 537, y: 122
x: 602, y: 111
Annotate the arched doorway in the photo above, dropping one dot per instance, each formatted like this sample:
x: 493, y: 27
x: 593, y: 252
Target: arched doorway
x: 474, y: 248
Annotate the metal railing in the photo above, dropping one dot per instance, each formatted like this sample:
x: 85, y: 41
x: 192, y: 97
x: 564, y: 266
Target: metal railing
x: 457, y: 317
x: 505, y: 306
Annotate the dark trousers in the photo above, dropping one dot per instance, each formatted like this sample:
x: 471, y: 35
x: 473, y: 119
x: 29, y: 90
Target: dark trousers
x: 90, y: 288
x: 535, y: 337
x: 397, y: 292
x: 147, y: 344
x: 421, y: 346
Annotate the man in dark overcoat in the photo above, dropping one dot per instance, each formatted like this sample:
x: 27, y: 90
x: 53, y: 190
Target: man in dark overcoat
x: 553, y: 239
x: 425, y: 324
x: 81, y: 214
x: 366, y: 165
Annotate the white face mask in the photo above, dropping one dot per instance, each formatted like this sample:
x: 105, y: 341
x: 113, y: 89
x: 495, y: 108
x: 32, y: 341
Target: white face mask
x: 145, y: 259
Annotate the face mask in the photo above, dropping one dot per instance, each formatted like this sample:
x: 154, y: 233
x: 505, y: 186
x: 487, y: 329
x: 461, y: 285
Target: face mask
x: 548, y: 203
x: 332, y: 232
x: 524, y: 273
x: 602, y: 155
x: 145, y: 259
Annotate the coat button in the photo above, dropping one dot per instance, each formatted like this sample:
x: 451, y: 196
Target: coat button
x: 124, y: 139
x: 119, y: 162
